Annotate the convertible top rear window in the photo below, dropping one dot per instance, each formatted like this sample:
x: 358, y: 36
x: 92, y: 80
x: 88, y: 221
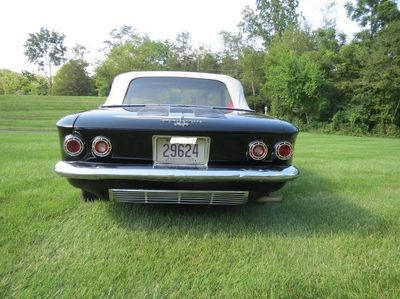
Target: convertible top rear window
x: 174, y: 90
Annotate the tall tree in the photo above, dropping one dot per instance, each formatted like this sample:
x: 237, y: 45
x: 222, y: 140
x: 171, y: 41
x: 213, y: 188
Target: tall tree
x: 329, y: 15
x: 233, y: 44
x: 123, y: 35
x: 206, y: 60
x: 253, y: 73
x: 372, y: 14
x: 295, y: 81
x: 72, y: 79
x: 269, y: 19
x: 46, y: 49
x: 232, y: 51
x: 182, y: 56
x: 377, y: 89
x: 79, y: 52
x: 139, y: 54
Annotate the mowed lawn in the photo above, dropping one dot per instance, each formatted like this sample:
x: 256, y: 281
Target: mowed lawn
x: 40, y: 112
x: 336, y: 234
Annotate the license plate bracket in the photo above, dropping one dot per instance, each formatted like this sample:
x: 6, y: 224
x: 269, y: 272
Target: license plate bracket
x: 185, y: 151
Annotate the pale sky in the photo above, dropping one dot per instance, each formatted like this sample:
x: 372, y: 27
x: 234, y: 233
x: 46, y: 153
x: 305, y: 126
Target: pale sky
x: 89, y: 22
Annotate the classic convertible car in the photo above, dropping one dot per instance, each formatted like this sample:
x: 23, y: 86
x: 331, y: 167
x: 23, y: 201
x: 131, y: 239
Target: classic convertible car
x: 176, y: 137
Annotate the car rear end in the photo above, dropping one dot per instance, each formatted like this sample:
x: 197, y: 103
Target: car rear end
x: 159, y: 160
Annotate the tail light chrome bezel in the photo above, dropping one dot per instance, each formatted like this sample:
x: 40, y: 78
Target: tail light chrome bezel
x: 73, y: 138
x: 107, y: 141
x: 279, y: 145
x: 253, y: 145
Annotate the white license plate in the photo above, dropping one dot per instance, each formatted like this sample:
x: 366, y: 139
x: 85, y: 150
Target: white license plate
x: 181, y: 150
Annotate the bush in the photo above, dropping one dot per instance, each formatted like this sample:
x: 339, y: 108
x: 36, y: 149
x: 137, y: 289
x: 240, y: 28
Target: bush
x: 258, y: 103
x: 356, y: 121
x: 73, y: 80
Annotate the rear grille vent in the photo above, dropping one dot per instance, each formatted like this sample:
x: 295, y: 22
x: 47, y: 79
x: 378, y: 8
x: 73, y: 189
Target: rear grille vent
x: 179, y: 197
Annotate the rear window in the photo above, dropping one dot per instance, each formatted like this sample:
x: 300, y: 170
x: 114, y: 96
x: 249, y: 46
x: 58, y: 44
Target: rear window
x: 173, y: 90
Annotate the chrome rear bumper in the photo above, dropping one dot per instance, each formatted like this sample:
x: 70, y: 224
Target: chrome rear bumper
x: 103, y: 171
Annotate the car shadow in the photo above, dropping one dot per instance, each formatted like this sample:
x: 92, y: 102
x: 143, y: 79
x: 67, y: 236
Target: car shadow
x: 309, y: 208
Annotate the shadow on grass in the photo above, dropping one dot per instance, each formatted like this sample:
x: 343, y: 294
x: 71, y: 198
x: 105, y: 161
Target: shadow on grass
x: 310, y: 207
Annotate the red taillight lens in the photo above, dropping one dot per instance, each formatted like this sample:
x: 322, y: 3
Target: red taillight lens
x: 101, y: 146
x: 258, y: 150
x: 284, y: 150
x: 73, y: 145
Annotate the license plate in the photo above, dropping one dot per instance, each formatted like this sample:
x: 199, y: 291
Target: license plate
x: 181, y: 150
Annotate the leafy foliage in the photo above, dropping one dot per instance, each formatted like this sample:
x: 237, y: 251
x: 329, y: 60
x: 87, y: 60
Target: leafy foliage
x: 372, y: 14
x: 315, y: 78
x: 294, y: 80
x: 46, y: 49
x: 270, y: 18
x: 73, y: 79
x: 25, y: 83
x: 181, y: 54
x: 130, y: 52
x: 377, y: 88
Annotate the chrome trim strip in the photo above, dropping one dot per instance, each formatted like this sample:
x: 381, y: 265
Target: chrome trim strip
x: 148, y: 196
x: 103, y: 171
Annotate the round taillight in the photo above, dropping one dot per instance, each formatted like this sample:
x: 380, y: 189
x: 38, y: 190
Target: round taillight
x: 101, y: 146
x: 258, y: 150
x: 73, y: 145
x: 284, y: 150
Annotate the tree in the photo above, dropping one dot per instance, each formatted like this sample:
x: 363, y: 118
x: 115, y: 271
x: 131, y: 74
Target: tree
x: 377, y: 90
x: 372, y: 14
x: 295, y: 81
x: 46, y: 49
x: 327, y: 55
x: 206, y: 61
x: 79, y: 52
x: 25, y: 83
x: 253, y: 73
x: 10, y: 82
x: 232, y: 51
x: 132, y: 53
x: 123, y: 35
x: 329, y: 15
x: 34, y: 84
x: 72, y: 79
x: 295, y: 85
x: 269, y: 19
x: 233, y: 44
x: 182, y: 56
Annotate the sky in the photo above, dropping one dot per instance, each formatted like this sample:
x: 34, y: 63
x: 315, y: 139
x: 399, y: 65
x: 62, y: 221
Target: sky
x: 89, y: 22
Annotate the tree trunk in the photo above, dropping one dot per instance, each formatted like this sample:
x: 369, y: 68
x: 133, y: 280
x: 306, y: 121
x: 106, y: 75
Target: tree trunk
x: 50, y: 80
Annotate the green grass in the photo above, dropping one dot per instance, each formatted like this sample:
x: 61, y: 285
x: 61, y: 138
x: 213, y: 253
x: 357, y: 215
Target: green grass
x: 337, y: 233
x: 40, y: 112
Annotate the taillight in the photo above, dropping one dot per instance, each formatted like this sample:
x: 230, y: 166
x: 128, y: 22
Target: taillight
x: 73, y: 145
x: 284, y: 150
x: 101, y: 146
x: 258, y: 150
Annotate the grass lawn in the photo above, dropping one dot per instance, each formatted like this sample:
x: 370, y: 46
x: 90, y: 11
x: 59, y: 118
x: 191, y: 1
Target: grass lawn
x: 337, y: 233
x: 40, y: 112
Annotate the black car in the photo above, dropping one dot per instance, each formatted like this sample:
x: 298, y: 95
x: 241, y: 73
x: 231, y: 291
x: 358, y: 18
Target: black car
x: 176, y: 137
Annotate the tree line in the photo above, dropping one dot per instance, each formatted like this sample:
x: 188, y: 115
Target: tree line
x: 317, y: 79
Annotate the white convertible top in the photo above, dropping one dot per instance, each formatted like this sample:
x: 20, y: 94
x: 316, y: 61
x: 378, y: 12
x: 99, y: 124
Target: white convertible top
x: 121, y: 83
